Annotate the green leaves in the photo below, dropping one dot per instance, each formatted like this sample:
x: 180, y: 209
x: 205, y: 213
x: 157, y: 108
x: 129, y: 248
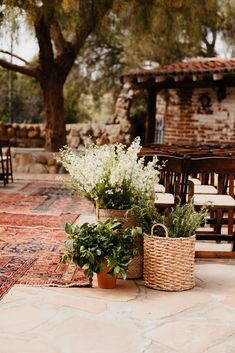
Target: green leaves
x: 89, y: 244
x: 184, y: 220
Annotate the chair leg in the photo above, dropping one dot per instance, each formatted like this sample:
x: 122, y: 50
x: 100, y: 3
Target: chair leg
x: 233, y: 249
x: 230, y: 221
x: 218, y: 223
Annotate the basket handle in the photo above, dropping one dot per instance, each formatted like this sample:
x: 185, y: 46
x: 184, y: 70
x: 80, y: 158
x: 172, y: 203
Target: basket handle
x: 159, y: 225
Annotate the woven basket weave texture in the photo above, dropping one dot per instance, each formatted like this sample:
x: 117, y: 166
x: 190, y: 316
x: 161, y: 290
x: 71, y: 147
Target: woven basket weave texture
x: 169, y: 262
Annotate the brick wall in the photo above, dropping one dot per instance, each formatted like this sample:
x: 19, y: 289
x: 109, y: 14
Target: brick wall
x: 199, y: 115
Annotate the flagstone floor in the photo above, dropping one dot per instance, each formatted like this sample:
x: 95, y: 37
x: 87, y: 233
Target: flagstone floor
x: 128, y: 319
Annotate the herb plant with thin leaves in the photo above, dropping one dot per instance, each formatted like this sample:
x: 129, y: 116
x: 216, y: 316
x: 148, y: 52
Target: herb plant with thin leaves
x: 183, y: 220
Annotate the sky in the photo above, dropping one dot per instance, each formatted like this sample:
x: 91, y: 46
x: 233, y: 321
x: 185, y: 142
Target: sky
x: 26, y: 47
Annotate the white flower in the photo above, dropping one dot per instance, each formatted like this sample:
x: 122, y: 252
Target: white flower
x: 111, y: 169
x: 109, y: 192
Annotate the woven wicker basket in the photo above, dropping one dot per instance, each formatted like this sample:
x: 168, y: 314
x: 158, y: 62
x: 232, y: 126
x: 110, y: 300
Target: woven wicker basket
x: 121, y: 215
x: 135, y: 267
x: 169, y: 262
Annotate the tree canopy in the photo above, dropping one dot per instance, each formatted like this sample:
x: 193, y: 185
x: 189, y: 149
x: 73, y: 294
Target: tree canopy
x: 94, y: 40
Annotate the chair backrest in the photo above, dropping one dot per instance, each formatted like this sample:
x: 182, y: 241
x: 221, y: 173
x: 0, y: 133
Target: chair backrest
x: 174, y: 175
x: 223, y: 166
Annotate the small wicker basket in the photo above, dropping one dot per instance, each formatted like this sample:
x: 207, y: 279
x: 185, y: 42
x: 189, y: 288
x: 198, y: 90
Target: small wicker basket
x: 169, y: 262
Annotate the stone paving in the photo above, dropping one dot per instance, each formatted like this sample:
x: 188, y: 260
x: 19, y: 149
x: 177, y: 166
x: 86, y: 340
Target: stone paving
x: 128, y: 319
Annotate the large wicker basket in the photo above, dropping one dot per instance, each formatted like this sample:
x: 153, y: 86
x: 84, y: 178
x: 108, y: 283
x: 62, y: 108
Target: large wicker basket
x: 169, y: 262
x: 135, y: 267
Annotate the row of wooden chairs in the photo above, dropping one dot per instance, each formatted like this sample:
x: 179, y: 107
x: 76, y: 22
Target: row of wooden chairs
x: 6, y: 171
x: 205, y: 180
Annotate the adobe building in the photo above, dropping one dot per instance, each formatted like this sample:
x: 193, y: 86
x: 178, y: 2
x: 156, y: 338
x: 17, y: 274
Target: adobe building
x: 188, y: 102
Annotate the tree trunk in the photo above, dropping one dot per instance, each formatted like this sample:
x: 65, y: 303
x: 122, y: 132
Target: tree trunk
x: 54, y: 115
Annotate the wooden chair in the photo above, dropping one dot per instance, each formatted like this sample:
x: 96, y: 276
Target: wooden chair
x: 174, y: 178
x: 6, y: 158
x: 2, y: 169
x: 221, y: 202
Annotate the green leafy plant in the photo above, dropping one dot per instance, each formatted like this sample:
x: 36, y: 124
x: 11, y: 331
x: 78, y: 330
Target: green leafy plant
x: 146, y: 215
x: 183, y: 220
x: 89, y: 244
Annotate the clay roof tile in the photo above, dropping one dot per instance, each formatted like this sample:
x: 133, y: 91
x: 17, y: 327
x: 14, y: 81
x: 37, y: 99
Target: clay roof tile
x: 192, y: 66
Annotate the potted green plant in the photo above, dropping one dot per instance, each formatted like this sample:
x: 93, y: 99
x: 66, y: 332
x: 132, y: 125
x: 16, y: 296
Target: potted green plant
x: 103, y: 248
x: 169, y: 248
x: 111, y: 176
x: 114, y: 178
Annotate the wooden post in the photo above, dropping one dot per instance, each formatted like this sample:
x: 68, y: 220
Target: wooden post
x: 150, y: 117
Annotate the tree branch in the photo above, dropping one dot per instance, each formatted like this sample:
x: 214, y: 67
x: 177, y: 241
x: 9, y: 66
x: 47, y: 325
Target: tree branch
x: 57, y: 36
x: 14, y: 56
x: 90, y: 16
x: 42, y: 31
x: 89, y: 20
x: 29, y: 71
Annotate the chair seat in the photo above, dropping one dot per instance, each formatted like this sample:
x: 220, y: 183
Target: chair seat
x: 204, y: 189
x: 214, y: 200
x: 195, y: 181
x: 164, y: 199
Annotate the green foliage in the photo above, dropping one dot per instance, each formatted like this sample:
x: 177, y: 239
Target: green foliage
x: 121, y: 199
x: 27, y: 101
x: 183, y: 220
x: 89, y: 244
x: 162, y: 31
x: 174, y: 30
x: 146, y: 216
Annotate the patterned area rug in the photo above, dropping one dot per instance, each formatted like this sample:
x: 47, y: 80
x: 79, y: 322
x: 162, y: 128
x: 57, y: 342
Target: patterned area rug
x: 32, y: 236
x: 11, y: 269
x: 28, y: 220
x: 47, y: 245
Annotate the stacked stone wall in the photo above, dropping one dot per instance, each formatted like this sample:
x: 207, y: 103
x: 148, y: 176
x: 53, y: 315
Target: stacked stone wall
x: 25, y: 160
x: 77, y: 135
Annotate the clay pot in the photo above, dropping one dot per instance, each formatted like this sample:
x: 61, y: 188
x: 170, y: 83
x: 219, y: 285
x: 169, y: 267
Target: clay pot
x: 105, y: 280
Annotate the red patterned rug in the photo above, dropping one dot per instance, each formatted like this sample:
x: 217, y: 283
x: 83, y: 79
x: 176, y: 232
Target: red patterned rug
x: 11, y: 269
x: 19, y: 203
x: 32, y: 236
x: 29, y: 220
x: 46, y: 245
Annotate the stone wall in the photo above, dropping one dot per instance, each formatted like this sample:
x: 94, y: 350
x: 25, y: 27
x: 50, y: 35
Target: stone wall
x: 199, y: 115
x: 29, y: 160
x: 28, y: 140
x: 33, y: 136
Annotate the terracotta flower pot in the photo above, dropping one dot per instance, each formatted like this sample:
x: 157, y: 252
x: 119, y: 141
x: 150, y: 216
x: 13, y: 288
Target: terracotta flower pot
x: 105, y: 280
